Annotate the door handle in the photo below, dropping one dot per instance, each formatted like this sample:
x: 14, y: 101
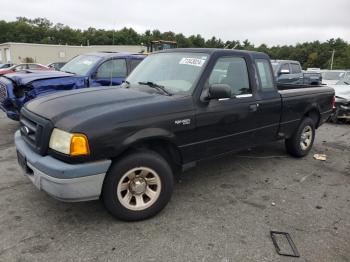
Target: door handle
x: 253, y: 107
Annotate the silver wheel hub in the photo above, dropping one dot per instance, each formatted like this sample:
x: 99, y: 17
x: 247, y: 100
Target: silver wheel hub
x: 139, y: 188
x: 306, y: 138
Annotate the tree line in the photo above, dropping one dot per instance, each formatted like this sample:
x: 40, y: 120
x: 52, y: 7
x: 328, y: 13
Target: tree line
x: 41, y: 30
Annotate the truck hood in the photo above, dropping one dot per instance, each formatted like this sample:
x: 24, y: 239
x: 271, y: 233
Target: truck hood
x: 74, y: 110
x: 28, y: 76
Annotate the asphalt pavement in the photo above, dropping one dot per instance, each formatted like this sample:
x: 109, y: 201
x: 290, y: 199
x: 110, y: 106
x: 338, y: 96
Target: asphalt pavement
x: 222, y: 210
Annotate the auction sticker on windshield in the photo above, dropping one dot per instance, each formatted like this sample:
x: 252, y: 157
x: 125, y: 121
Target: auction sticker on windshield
x: 192, y: 61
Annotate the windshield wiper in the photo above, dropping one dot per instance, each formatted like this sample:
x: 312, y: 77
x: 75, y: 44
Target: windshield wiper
x: 156, y: 86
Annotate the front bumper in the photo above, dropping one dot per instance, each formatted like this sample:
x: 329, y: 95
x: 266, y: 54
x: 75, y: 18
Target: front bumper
x: 65, y: 182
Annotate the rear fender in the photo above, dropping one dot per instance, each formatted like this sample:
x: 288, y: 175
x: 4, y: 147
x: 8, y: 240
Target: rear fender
x: 314, y: 112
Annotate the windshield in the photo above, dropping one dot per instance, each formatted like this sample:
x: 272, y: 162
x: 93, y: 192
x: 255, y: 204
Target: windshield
x: 344, y: 81
x: 332, y: 75
x: 80, y: 65
x: 176, y: 72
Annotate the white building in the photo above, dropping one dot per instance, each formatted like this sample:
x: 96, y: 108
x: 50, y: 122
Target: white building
x: 44, y: 54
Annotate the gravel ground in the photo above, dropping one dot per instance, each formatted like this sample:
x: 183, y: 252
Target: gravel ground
x: 223, y: 210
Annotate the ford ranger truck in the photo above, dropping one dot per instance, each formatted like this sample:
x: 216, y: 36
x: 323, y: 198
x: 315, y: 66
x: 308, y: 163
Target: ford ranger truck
x: 83, y: 71
x: 290, y: 72
x: 177, y: 108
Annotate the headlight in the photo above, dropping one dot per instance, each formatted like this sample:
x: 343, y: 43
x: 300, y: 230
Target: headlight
x: 69, y: 144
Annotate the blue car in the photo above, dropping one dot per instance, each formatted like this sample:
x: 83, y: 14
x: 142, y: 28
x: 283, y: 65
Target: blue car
x: 83, y: 71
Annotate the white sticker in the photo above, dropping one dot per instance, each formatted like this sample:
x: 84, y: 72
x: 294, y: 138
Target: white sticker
x: 192, y: 61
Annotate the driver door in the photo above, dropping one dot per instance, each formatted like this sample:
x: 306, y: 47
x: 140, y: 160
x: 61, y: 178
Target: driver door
x: 110, y: 73
x: 225, y: 125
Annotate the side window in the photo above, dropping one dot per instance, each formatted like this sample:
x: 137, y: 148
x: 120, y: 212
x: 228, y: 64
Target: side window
x: 20, y: 67
x: 112, y: 68
x: 233, y: 72
x: 33, y: 66
x: 285, y: 67
x: 134, y: 63
x: 295, y: 68
x: 265, y: 74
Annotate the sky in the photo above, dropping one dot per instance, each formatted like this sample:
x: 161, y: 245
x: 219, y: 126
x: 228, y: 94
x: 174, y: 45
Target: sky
x: 273, y: 22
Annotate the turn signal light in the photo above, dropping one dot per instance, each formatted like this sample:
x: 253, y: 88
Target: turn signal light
x: 79, y: 145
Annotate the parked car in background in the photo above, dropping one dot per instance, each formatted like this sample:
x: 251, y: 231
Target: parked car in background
x: 56, y: 65
x: 7, y: 65
x: 342, y: 100
x: 26, y: 66
x: 89, y: 70
x: 290, y: 72
x: 179, y: 107
x: 331, y: 77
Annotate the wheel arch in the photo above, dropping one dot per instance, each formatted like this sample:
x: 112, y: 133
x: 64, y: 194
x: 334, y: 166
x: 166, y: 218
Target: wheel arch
x: 313, y: 112
x: 158, y: 140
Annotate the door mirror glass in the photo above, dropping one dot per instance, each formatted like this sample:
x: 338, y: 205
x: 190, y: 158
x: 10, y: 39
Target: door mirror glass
x: 219, y: 91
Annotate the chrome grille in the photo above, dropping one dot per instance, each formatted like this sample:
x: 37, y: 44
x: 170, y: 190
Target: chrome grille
x: 3, y: 92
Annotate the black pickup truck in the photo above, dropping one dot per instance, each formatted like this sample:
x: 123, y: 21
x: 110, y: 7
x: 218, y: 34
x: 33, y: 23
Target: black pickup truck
x: 177, y: 108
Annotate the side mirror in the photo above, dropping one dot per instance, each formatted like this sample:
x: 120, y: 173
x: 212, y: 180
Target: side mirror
x: 219, y: 91
x: 284, y: 72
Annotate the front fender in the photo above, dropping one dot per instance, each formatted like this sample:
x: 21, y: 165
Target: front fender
x: 149, y: 134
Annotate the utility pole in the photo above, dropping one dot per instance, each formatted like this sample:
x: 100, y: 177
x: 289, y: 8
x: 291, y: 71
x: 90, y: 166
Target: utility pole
x: 332, y: 59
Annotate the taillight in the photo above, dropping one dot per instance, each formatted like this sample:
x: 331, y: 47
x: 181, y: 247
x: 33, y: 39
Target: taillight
x: 333, y: 102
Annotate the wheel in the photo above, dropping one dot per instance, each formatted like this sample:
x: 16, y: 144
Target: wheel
x: 301, y: 142
x: 138, y: 186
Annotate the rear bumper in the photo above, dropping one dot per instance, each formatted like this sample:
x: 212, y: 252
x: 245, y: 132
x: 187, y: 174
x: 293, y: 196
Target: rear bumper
x: 65, y: 182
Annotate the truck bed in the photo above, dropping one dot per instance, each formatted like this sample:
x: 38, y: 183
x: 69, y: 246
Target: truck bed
x: 297, y: 99
x: 294, y: 86
x: 299, y: 90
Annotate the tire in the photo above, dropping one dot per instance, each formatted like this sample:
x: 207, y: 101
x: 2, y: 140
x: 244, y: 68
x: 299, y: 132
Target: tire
x: 138, y: 186
x: 295, y: 145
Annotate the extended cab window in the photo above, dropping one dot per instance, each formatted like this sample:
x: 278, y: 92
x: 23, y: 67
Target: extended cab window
x: 112, y: 68
x: 265, y: 74
x: 295, y: 68
x: 233, y: 72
